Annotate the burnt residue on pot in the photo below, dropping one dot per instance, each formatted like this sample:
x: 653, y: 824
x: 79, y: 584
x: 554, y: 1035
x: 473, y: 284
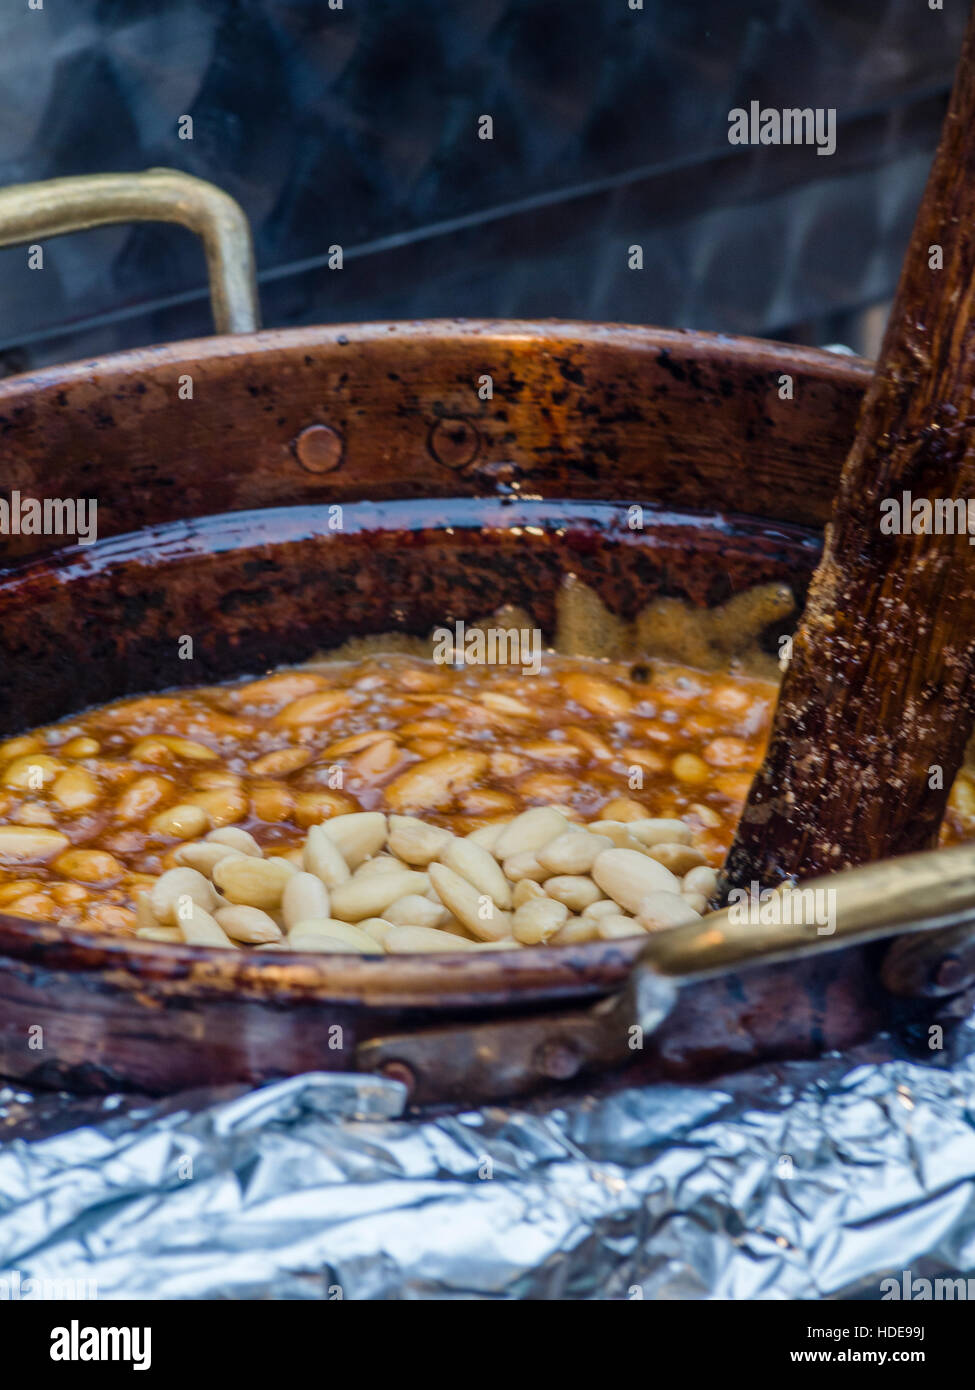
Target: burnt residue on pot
x: 254, y: 590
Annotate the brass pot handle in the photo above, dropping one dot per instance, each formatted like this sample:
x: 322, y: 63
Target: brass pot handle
x: 913, y: 894
x: 33, y: 211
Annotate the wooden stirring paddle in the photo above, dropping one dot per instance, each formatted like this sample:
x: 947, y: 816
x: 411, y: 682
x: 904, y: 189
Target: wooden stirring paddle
x: 878, y: 701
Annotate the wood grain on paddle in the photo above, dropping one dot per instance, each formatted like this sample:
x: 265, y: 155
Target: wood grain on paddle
x: 879, y: 694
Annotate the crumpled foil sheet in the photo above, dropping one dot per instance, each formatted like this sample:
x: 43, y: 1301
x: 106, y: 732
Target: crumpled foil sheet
x: 800, y: 1181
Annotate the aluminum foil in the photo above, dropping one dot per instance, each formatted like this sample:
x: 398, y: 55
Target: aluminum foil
x: 799, y: 1181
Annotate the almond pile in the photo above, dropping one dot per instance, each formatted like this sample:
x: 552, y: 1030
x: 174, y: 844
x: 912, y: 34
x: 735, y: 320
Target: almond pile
x: 369, y: 884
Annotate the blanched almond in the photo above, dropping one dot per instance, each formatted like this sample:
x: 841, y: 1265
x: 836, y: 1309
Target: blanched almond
x: 537, y: 920
x: 529, y: 832
x: 613, y: 928
x: 416, y: 841
x: 75, y: 789
x: 487, y: 836
x: 41, y: 905
x: 175, y: 890
x: 524, y: 890
x: 236, y: 838
x: 355, y: 743
x: 305, y: 896
x: 679, y: 859
x: 575, y: 931
x: 358, y: 836
x: 172, y: 935
x: 575, y: 890
x: 605, y: 907
x: 317, y: 708
x: 689, y: 768
x: 222, y: 806
x: 32, y: 772
x: 431, y: 785
x: 214, y: 778
x: 371, y: 895
x: 89, y: 866
x: 507, y: 943
x: 248, y: 924
x: 186, y: 748
x: 477, y: 911
x: 480, y: 868
x: 330, y: 934
x: 253, y: 882
x: 203, y: 856
x: 281, y: 761
x: 453, y: 925
x: 323, y: 857
x: 593, y: 743
x: 32, y: 813
x: 184, y: 821
x: 140, y: 796
x: 376, y: 927
x: 376, y: 760
x: 413, y: 910
x: 623, y: 808
x: 573, y: 852
x: 313, y: 807
x: 596, y: 695
x: 506, y: 704
x: 657, y: 831
x: 382, y: 864
x: 519, y: 866
x: 285, y: 685
x: 271, y: 802
x: 627, y: 876
x: 144, y: 915
x: 17, y: 747
x: 665, y: 909
x: 700, y: 880
x: 200, y: 929
x: 24, y: 843
x: 617, y: 832
x: 408, y: 941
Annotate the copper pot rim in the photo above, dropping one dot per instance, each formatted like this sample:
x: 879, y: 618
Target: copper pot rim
x: 422, y: 980
x: 620, y: 338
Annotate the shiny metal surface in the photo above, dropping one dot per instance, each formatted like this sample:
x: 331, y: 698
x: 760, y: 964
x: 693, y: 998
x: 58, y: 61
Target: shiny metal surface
x: 913, y: 893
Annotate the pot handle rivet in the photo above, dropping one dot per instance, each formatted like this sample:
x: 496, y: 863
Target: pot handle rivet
x: 558, y: 1060
x: 454, y: 442
x: 318, y: 448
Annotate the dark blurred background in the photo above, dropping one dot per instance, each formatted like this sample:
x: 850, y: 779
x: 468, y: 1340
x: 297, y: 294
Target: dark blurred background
x: 358, y: 126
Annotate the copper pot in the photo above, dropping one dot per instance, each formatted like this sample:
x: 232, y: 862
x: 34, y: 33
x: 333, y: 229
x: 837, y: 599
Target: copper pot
x: 213, y: 521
